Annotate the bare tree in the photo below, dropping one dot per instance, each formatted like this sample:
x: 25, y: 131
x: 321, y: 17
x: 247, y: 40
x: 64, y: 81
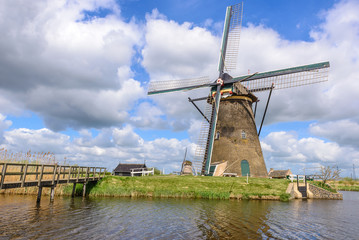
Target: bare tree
x: 329, y: 173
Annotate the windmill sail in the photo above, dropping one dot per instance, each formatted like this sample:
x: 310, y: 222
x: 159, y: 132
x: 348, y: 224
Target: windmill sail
x: 286, y: 78
x: 230, y: 39
x: 230, y: 62
x: 157, y: 87
x: 200, y: 152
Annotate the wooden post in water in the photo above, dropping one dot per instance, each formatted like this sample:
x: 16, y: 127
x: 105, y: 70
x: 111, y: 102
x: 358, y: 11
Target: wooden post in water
x: 73, y: 190
x: 52, y: 193
x: 39, y: 194
x: 84, y: 190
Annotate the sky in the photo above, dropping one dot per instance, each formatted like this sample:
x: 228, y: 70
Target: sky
x: 74, y: 77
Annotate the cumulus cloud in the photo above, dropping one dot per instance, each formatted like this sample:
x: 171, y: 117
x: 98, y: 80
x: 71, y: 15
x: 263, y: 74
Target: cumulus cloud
x: 108, y: 148
x: 174, y: 51
x: 335, y: 41
x: 41, y: 140
x: 65, y: 66
x: 4, y: 125
x: 286, y: 150
x: 344, y: 132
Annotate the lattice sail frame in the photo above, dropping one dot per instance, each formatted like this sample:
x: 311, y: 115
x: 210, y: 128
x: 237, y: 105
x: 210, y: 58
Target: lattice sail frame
x: 230, y: 62
x: 288, y: 78
x: 156, y: 87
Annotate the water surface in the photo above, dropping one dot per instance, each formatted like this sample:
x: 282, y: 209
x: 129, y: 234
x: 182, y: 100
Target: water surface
x: 126, y: 218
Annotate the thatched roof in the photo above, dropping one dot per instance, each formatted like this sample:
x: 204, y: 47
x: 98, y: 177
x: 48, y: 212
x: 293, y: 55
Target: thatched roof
x: 124, y: 167
x: 279, y: 173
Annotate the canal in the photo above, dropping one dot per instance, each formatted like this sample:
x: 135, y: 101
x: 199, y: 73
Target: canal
x: 126, y: 218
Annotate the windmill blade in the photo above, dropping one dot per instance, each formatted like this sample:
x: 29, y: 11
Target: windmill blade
x: 157, y: 87
x: 212, y: 130
x: 230, y: 39
x: 234, y: 37
x: 286, y: 78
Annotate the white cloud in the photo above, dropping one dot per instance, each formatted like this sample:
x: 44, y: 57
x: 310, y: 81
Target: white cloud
x: 65, y: 66
x: 108, y: 148
x: 344, y: 132
x: 126, y: 137
x: 174, y: 51
x: 286, y: 150
x: 149, y: 116
x: 4, y: 125
x: 41, y: 140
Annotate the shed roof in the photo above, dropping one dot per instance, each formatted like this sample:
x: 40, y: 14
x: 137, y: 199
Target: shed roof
x: 124, y: 167
x: 279, y: 173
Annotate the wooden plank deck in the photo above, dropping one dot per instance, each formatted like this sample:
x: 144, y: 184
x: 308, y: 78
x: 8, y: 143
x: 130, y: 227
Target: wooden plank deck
x: 16, y: 175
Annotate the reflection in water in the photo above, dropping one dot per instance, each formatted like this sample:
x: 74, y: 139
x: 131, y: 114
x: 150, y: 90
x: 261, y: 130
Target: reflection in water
x: 125, y: 218
x: 233, y: 219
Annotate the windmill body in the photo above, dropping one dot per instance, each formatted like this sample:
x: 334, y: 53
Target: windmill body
x: 229, y: 131
x: 236, y: 140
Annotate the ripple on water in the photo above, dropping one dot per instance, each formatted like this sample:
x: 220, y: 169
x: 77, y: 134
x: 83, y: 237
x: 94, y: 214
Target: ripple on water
x: 126, y: 218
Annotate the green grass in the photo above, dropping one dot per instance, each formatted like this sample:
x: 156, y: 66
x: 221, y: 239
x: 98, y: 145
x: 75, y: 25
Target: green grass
x: 188, y: 187
x: 346, y: 184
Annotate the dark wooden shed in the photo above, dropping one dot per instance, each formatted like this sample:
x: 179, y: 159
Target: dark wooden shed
x: 124, y: 169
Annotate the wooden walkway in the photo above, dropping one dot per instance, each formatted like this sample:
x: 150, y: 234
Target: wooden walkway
x: 17, y: 175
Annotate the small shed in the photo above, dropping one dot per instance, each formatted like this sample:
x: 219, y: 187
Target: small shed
x: 279, y: 173
x: 124, y: 169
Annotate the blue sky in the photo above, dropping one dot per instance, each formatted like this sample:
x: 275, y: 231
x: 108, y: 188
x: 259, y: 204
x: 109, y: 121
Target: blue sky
x: 74, y: 78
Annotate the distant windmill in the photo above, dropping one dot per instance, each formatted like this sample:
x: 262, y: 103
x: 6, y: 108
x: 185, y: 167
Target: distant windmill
x: 186, y: 168
x: 230, y: 133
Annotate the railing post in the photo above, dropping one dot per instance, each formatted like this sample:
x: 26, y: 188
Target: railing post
x: 58, y: 174
x: 24, y: 176
x: 87, y: 173
x: 78, y: 173
x: 64, y: 174
x: 69, y: 177
x: 298, y: 182
x: 37, y: 172
x: 21, y: 171
x: 3, y: 173
x: 54, y: 174
x: 41, y: 174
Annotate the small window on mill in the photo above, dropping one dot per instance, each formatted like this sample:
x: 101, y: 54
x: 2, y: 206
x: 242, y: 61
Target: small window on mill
x: 217, y: 135
x: 244, y: 136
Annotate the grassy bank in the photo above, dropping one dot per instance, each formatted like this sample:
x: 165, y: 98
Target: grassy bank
x: 176, y: 187
x: 346, y: 184
x: 191, y: 187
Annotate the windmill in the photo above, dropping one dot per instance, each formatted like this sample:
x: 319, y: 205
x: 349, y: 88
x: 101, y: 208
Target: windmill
x: 229, y: 133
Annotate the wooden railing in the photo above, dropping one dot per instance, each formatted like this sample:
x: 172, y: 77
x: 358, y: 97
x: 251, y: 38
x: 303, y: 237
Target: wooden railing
x: 15, y: 175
